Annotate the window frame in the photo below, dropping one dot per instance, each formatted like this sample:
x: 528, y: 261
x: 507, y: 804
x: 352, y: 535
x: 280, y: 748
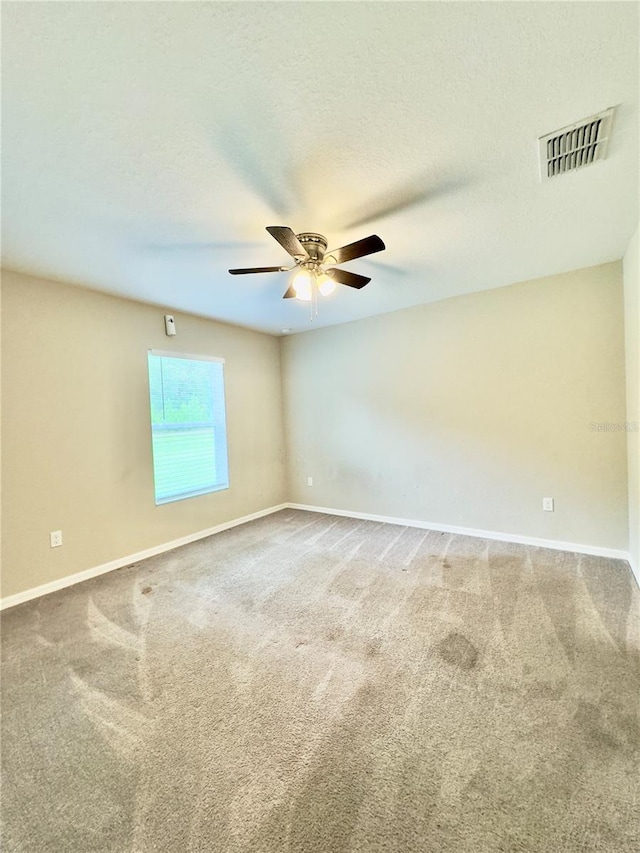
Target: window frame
x: 219, y: 422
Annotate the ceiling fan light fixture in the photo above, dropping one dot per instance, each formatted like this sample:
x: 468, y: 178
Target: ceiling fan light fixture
x: 302, y: 285
x: 326, y: 285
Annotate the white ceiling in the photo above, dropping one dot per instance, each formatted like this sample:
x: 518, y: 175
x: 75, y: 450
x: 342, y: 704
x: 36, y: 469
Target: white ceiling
x: 147, y: 145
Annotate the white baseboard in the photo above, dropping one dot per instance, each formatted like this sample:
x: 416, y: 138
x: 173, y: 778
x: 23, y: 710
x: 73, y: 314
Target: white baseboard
x: 87, y: 574
x: 469, y: 531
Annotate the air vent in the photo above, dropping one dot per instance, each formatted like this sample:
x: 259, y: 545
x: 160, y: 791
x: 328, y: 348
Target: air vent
x: 575, y: 146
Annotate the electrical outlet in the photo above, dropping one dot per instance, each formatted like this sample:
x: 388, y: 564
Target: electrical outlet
x: 547, y: 504
x: 309, y: 481
x: 55, y: 538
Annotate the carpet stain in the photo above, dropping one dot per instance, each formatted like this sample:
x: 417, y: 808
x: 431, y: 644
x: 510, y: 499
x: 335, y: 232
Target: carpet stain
x: 457, y: 650
x: 589, y: 718
x: 542, y: 690
x: 147, y: 590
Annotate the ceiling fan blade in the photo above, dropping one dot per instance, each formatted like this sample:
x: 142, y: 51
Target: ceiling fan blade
x: 290, y: 293
x: 198, y: 247
x: 417, y: 191
x: 288, y: 241
x: 351, y: 279
x: 258, y: 269
x: 359, y: 249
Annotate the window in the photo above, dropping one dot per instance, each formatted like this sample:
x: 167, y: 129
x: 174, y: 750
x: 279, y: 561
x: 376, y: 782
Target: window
x: 188, y: 427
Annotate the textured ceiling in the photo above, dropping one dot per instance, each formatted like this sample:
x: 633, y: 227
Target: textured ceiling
x: 147, y: 145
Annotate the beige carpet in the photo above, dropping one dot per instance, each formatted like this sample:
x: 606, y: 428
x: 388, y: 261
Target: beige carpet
x: 310, y: 683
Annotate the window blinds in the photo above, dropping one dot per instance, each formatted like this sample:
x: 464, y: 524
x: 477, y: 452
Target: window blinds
x: 188, y: 425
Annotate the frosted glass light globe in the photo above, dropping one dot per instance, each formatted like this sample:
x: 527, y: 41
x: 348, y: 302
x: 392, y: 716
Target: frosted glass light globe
x: 302, y: 286
x: 326, y: 285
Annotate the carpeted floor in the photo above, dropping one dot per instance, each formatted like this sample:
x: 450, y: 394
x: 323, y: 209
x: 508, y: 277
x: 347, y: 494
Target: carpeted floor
x: 310, y: 683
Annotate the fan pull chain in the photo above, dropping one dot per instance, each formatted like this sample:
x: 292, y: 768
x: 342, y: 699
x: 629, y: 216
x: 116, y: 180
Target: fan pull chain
x: 314, y: 297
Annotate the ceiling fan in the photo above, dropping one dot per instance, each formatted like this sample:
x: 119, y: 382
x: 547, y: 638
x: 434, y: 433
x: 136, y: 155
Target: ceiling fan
x: 316, y: 272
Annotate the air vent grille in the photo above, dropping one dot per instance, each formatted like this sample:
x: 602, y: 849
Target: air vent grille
x: 575, y: 146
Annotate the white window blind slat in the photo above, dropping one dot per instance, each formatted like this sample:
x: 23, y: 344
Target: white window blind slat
x: 188, y: 425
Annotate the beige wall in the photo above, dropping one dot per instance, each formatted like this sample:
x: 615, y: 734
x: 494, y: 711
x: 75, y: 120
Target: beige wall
x: 632, y: 346
x: 464, y: 412
x: 469, y: 411
x: 76, y: 434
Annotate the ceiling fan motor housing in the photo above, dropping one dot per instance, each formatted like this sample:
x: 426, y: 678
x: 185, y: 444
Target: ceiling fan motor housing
x: 315, y: 245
